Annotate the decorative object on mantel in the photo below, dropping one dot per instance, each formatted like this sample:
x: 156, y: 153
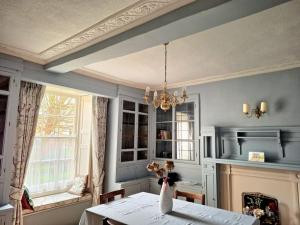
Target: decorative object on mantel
x: 164, y: 100
x: 258, y: 111
x: 263, y: 207
x: 256, y: 156
x: 166, y: 195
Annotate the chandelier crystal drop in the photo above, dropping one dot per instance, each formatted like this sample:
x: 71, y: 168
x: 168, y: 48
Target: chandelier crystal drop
x: 164, y: 100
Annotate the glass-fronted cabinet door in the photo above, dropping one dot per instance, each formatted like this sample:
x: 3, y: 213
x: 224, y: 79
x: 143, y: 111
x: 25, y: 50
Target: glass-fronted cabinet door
x: 128, y: 131
x: 143, y: 130
x: 177, y: 132
x: 4, y: 94
x: 135, y: 129
x: 185, y: 132
x: 164, y: 125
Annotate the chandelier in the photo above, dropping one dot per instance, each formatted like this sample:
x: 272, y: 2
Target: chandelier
x: 164, y: 100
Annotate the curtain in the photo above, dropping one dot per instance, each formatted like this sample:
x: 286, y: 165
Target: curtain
x: 30, y: 98
x: 98, y: 145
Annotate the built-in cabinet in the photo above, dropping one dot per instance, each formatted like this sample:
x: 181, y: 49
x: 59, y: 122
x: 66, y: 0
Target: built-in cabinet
x: 177, y: 131
x: 9, y: 91
x: 134, y: 130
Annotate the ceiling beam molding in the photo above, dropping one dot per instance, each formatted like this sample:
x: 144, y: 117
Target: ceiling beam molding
x: 35, y: 73
x: 193, y: 18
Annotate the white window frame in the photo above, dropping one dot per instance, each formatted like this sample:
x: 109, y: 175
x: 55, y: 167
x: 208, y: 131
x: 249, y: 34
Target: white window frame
x: 77, y: 121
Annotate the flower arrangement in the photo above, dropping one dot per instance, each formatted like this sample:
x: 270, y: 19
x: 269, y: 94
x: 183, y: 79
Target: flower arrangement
x: 163, y: 172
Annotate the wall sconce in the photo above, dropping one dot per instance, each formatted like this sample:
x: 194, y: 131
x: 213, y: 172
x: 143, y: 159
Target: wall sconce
x: 258, y: 111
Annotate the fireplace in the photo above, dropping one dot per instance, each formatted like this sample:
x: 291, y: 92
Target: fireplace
x: 279, y: 187
x: 263, y: 207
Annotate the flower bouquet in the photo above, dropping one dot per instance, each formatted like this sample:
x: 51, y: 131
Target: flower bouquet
x: 166, y: 179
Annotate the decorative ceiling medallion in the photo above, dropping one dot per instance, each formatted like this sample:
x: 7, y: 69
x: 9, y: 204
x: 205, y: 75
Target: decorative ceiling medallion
x: 133, y: 13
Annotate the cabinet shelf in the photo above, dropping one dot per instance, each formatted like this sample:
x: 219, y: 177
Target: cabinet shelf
x: 164, y: 140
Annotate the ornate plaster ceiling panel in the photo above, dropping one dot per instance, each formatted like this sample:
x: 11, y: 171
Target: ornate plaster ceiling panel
x: 46, y: 30
x: 263, y: 42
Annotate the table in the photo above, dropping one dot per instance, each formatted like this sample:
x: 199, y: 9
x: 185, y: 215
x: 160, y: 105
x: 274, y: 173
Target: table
x: 143, y: 209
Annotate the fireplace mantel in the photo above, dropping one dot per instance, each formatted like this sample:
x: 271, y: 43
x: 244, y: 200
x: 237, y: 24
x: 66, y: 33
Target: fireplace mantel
x: 230, y: 146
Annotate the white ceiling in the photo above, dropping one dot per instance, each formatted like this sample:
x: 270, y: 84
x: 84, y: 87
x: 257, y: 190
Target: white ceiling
x: 263, y: 42
x: 37, y: 25
x: 42, y: 31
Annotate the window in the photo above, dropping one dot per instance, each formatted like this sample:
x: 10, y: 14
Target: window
x: 52, y: 164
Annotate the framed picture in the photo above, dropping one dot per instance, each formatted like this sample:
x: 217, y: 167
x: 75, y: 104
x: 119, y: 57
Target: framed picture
x: 256, y: 156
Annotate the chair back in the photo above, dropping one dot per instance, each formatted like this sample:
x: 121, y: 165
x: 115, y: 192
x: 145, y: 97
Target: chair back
x: 191, y: 197
x: 110, y: 196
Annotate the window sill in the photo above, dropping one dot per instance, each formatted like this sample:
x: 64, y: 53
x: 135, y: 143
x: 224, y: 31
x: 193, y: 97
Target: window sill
x: 56, y: 201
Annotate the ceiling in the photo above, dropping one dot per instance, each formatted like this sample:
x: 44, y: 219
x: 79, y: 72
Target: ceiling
x: 263, y: 42
x: 45, y: 31
x: 42, y: 31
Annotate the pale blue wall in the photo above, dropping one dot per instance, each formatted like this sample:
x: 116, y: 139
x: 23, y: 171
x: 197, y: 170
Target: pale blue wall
x: 221, y: 102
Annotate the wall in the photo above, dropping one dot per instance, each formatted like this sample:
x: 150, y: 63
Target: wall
x: 68, y: 215
x: 280, y: 184
x: 221, y: 102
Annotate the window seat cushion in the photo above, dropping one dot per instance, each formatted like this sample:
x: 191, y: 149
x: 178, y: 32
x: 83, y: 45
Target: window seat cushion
x: 56, y: 200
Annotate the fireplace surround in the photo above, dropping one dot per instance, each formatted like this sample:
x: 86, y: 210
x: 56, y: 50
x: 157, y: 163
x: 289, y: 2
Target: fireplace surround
x: 280, y: 185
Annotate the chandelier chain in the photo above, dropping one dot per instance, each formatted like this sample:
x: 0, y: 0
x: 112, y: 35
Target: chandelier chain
x: 166, y: 61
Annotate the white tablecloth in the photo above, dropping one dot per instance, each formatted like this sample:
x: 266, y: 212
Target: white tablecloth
x: 143, y: 209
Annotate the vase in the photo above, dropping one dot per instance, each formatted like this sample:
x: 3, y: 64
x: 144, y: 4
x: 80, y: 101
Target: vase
x: 166, y: 198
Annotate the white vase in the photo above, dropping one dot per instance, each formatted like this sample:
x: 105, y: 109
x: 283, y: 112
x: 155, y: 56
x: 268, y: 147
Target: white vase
x: 166, y: 198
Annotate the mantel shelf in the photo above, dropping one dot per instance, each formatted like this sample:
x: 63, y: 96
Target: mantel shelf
x: 267, y: 165
x: 274, y: 138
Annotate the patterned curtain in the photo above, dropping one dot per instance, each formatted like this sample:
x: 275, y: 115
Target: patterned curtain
x: 98, y: 146
x: 29, y: 103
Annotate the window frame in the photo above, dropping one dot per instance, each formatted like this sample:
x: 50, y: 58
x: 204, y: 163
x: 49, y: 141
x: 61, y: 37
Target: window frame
x: 76, y: 136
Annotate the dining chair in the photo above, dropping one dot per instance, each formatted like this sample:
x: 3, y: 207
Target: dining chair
x: 109, y: 197
x: 190, y: 197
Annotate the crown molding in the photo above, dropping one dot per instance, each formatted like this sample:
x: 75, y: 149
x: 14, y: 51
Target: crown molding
x: 209, y: 79
x: 134, y: 15
x: 20, y: 53
x: 242, y: 73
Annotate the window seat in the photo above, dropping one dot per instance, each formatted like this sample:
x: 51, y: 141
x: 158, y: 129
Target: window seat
x: 56, y: 201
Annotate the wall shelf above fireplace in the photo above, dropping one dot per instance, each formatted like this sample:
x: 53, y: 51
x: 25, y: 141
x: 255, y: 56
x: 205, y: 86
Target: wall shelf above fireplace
x: 232, y: 145
x: 267, y: 165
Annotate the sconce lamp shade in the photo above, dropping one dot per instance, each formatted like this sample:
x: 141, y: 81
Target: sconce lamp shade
x: 263, y: 107
x: 245, y: 108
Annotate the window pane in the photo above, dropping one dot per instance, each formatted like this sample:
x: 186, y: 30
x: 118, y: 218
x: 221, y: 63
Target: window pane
x: 127, y: 105
x: 185, y: 111
x: 164, y: 131
x: 185, y: 150
x: 142, y: 155
x: 3, y: 104
x: 143, y: 108
x: 185, y: 130
x: 128, y: 131
x: 143, y: 131
x: 57, y: 116
x: 164, y: 149
x: 127, y: 156
x: 4, y: 83
x: 162, y: 116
